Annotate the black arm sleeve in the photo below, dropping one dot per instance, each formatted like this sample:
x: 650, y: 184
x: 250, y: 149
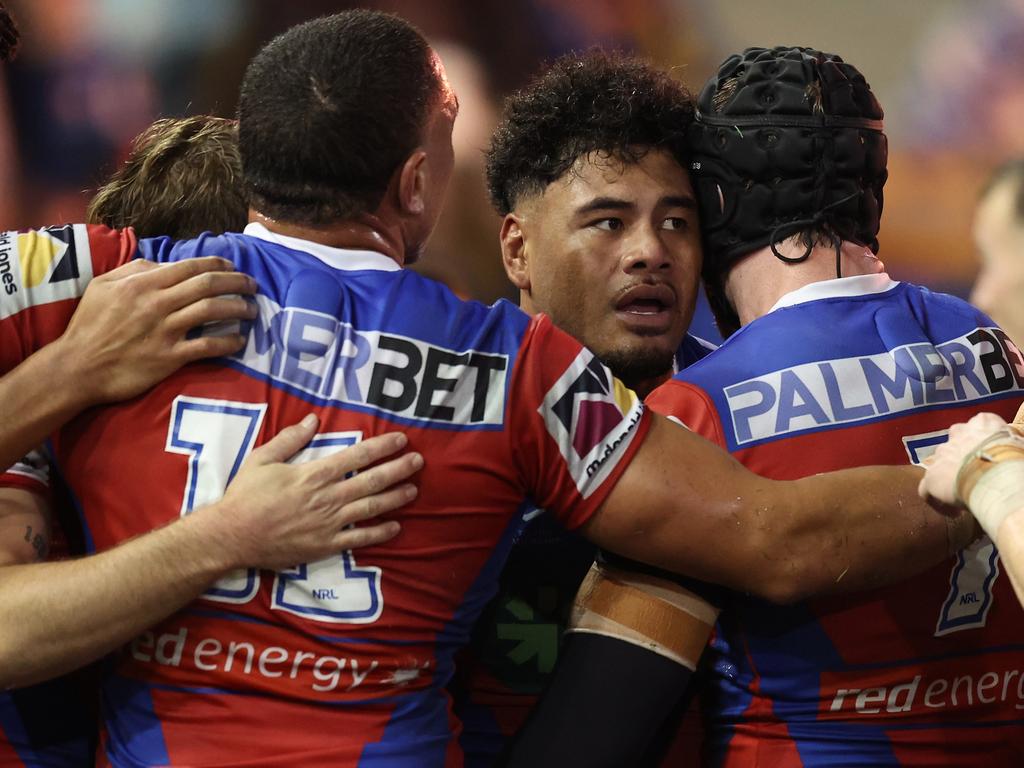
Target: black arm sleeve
x: 603, y: 706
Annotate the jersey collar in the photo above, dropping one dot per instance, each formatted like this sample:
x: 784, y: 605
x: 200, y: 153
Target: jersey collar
x: 337, y: 258
x: 858, y: 285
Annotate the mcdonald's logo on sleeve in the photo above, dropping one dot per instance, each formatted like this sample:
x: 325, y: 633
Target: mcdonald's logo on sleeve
x: 593, y: 417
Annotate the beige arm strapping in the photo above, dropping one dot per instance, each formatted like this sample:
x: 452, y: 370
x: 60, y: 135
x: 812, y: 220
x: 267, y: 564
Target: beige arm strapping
x: 657, y: 614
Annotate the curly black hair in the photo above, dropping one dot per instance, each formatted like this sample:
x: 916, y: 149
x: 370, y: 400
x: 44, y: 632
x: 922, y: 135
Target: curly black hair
x: 591, y: 102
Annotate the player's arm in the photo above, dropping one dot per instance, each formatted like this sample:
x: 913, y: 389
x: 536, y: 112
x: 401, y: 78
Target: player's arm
x: 1009, y: 540
x: 982, y: 467
x: 128, y: 333
x: 60, y: 615
x: 634, y: 640
x: 684, y: 505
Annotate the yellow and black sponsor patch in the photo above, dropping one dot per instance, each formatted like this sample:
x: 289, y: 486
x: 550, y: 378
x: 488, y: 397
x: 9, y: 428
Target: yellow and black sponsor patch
x: 43, y: 266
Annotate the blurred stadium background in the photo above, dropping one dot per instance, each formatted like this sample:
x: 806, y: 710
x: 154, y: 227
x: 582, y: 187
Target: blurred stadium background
x: 950, y: 73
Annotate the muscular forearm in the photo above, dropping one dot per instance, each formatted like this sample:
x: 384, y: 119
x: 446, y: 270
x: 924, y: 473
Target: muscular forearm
x: 688, y: 507
x: 29, y: 418
x: 866, y: 527
x: 57, y: 616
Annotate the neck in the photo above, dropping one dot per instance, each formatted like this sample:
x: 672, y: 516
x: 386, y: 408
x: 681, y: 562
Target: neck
x: 365, y: 232
x: 526, y: 303
x: 760, y: 279
x: 643, y: 387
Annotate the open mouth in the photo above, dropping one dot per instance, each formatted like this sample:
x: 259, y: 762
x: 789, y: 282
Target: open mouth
x: 648, y: 307
x: 644, y: 307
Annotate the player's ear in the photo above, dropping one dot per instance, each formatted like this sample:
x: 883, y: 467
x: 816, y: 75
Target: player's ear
x: 412, y: 183
x: 513, y: 252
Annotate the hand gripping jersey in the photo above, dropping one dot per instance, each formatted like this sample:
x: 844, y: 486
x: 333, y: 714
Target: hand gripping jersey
x: 929, y: 672
x: 502, y: 673
x: 341, y: 662
x: 53, y: 724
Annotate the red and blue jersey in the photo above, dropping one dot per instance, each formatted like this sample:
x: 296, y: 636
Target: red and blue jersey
x: 929, y: 672
x: 53, y: 724
x: 342, y: 662
x: 50, y: 725
x: 515, y: 644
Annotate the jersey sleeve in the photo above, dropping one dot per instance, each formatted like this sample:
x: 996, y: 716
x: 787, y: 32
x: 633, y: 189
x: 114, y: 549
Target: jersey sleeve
x: 32, y: 473
x: 688, y: 405
x: 43, y: 274
x: 574, y: 426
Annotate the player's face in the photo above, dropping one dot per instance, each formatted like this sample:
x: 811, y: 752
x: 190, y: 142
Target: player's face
x: 999, y: 290
x: 613, y: 255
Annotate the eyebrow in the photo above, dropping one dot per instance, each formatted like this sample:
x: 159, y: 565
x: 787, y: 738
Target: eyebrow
x: 618, y: 204
x: 605, y: 204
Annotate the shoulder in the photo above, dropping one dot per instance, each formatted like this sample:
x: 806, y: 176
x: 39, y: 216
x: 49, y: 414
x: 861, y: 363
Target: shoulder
x: 53, y: 264
x: 693, y: 349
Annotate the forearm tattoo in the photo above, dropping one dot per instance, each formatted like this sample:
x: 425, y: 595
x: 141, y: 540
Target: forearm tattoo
x: 38, y: 542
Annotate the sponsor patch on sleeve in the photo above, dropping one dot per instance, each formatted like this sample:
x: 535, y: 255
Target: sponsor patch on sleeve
x: 43, y: 266
x: 593, y: 417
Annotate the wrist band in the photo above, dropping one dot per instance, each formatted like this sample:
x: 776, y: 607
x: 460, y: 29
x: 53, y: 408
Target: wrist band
x: 997, y: 493
x: 991, y: 478
x: 1005, y: 445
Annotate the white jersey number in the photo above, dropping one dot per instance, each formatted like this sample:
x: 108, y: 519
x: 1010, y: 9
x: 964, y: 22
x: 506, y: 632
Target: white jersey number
x: 216, y: 436
x: 977, y: 566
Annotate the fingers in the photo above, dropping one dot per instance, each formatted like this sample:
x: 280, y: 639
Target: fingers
x: 986, y: 422
x: 366, y: 536
x: 285, y: 443
x: 922, y: 489
x: 167, y: 275
x: 375, y: 480
x: 1019, y: 418
x: 359, y: 456
x: 133, y: 267
x: 205, y: 347
x: 375, y: 505
x: 211, y: 310
x: 204, y: 286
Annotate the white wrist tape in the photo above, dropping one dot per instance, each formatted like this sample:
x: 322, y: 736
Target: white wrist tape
x: 1006, y: 444
x: 997, y: 493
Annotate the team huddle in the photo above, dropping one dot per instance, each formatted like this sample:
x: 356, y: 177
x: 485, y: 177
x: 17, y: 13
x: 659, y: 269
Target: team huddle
x: 298, y: 505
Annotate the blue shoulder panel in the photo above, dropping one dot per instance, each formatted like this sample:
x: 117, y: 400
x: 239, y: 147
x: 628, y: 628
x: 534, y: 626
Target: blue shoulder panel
x: 837, y: 361
x: 392, y: 342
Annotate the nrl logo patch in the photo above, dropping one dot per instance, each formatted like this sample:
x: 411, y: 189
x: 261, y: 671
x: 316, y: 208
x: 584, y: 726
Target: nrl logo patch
x: 593, y: 417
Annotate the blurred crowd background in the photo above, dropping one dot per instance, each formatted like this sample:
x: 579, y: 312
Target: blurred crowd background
x: 91, y: 74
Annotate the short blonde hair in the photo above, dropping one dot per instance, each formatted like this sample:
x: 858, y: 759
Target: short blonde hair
x: 182, y: 177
